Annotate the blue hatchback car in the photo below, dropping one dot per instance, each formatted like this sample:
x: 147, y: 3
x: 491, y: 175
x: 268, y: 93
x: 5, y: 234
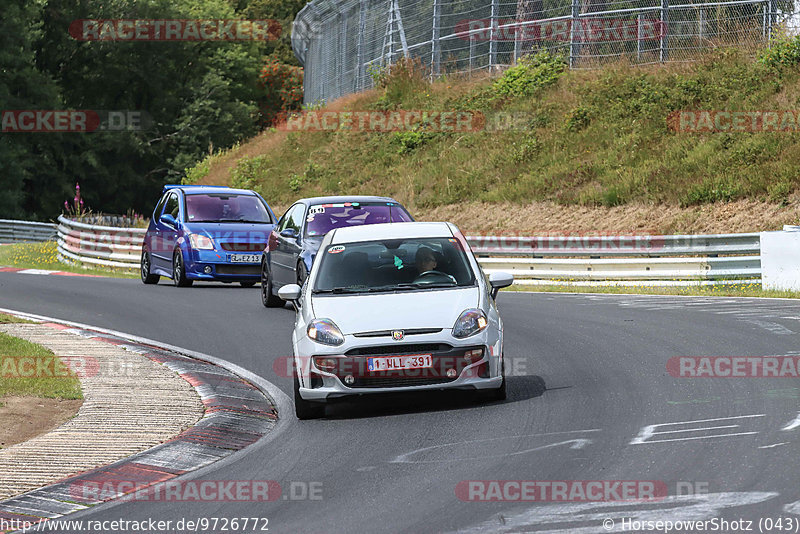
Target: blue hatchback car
x: 209, y: 233
x: 297, y: 236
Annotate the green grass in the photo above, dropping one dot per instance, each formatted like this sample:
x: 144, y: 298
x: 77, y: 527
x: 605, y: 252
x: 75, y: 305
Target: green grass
x: 6, y: 318
x: 12, y: 352
x: 45, y: 256
x: 727, y: 290
x: 592, y: 138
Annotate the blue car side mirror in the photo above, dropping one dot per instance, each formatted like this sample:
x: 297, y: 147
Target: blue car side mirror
x: 169, y: 220
x: 290, y: 233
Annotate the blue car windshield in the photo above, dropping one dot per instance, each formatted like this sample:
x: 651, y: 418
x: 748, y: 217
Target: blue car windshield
x: 223, y: 207
x: 323, y: 218
x: 393, y: 265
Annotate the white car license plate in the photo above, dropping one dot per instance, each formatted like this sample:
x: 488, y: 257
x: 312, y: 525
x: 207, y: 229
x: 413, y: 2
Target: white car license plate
x: 398, y: 363
x: 245, y: 258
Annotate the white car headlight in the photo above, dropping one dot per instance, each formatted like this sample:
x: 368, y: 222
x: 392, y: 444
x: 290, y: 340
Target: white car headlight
x: 469, y: 323
x: 325, y: 331
x: 201, y: 242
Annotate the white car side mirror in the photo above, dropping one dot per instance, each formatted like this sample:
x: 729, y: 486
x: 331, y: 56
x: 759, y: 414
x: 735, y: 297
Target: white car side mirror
x: 499, y: 281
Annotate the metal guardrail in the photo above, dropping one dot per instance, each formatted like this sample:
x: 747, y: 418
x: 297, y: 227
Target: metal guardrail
x: 596, y: 260
x: 651, y: 260
x: 105, y: 246
x: 26, y: 231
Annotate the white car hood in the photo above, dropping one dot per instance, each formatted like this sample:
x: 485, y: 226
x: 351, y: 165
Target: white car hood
x: 395, y: 311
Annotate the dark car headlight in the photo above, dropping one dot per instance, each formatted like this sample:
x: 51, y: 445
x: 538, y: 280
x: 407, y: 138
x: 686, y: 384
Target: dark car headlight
x: 325, y: 331
x: 470, y: 322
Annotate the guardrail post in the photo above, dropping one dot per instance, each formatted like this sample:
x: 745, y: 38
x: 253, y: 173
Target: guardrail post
x: 436, y: 51
x: 770, y: 20
x: 362, y: 22
x: 663, y: 52
x: 493, y: 35
x: 471, y: 53
x: 639, y: 37
x: 342, y: 54
x: 574, y: 46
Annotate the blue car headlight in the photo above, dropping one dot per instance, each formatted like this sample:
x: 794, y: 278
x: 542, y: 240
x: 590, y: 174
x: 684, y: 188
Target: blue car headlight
x: 470, y: 322
x: 325, y: 331
x: 201, y: 242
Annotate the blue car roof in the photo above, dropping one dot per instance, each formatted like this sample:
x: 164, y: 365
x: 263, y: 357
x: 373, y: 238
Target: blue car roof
x: 338, y: 199
x: 203, y: 189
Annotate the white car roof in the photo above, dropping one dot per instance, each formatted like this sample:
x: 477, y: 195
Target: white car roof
x: 405, y: 230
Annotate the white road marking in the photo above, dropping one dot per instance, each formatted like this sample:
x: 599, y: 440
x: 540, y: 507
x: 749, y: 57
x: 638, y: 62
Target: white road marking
x: 773, y: 445
x: 35, y: 271
x: 649, y: 431
x: 562, y: 518
x: 792, y: 424
x: 575, y: 444
x: 792, y: 508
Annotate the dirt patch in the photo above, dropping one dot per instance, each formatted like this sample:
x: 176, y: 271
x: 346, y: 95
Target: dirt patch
x: 549, y: 218
x: 23, y: 418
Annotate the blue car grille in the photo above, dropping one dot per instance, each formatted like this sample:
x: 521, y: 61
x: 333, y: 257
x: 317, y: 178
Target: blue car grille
x: 243, y: 247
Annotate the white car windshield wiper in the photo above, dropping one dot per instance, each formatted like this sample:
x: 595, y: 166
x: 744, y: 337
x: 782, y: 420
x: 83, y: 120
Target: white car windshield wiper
x: 339, y: 290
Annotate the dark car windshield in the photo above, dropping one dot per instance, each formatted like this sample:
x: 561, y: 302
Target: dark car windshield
x: 393, y: 265
x: 222, y: 207
x: 322, y: 218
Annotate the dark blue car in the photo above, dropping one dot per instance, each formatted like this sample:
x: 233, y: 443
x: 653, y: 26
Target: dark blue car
x: 296, y: 238
x: 206, y: 233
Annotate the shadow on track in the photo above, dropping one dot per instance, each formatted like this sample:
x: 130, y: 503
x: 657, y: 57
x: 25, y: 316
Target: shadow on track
x: 521, y: 388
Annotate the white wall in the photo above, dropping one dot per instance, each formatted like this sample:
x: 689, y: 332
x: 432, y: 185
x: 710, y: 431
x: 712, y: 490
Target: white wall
x: 780, y: 259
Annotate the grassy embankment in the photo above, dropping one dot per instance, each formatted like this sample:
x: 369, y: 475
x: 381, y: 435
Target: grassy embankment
x: 14, y: 352
x: 597, y: 154
x: 44, y: 256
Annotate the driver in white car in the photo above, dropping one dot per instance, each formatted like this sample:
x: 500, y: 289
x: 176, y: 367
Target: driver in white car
x: 425, y: 260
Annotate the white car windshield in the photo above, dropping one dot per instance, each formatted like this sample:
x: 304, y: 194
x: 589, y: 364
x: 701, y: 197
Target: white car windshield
x: 393, y: 265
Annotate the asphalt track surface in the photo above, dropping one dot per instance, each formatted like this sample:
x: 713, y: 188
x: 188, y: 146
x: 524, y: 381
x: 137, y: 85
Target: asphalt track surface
x: 588, y: 375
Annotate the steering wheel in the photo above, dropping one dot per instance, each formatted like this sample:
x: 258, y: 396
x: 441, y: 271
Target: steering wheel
x: 435, y: 273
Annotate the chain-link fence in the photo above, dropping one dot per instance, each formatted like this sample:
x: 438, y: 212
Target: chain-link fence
x: 340, y: 42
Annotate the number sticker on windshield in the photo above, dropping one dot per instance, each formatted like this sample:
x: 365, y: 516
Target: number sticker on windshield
x: 336, y: 249
x: 316, y: 209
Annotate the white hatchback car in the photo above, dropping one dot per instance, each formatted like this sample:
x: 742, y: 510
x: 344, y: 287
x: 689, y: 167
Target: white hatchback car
x: 393, y: 308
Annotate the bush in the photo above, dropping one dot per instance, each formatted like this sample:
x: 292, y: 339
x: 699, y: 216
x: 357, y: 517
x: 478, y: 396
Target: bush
x: 578, y: 119
x: 402, y: 81
x: 410, y: 141
x: 249, y: 171
x: 283, y: 90
x: 530, y: 74
x: 783, y: 53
